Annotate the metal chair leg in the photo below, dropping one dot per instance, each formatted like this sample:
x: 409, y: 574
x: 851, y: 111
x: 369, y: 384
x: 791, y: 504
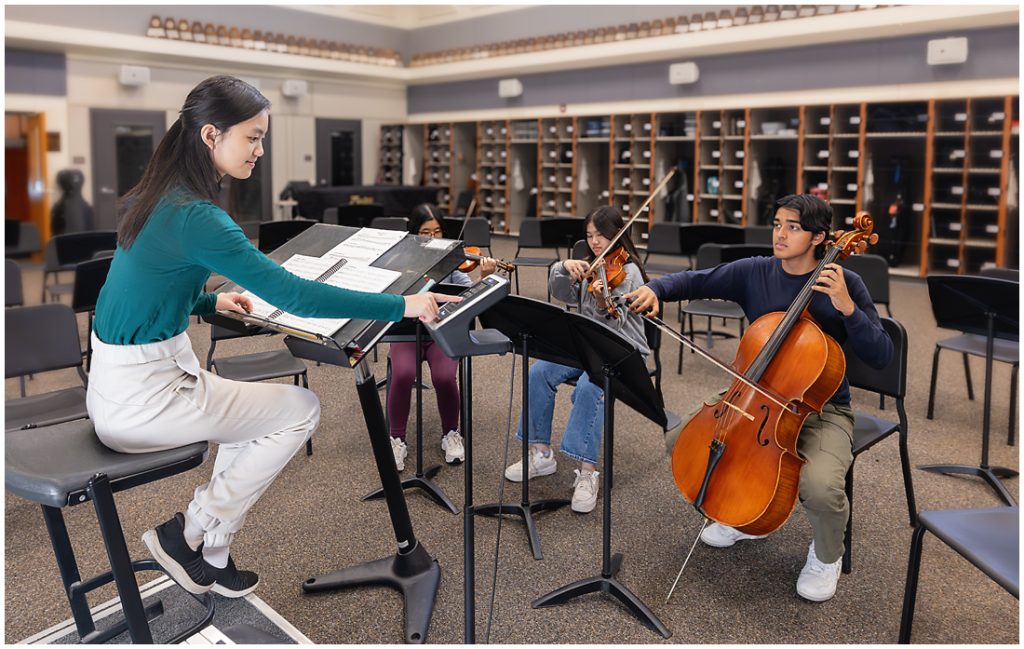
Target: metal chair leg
x: 931, y: 386
x: 967, y: 375
x: 1013, y: 406
x: 910, y: 590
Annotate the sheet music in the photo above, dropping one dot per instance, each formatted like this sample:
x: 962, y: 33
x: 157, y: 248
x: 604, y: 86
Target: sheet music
x: 308, y: 267
x: 365, y: 246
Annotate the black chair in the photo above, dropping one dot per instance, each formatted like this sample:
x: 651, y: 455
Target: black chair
x: 21, y: 239
x: 874, y: 270
x: 462, y: 202
x: 1001, y: 273
x: 869, y: 430
x: 65, y: 465
x: 13, y: 293
x: 664, y: 239
x: 251, y: 229
x: 359, y: 216
x: 63, y: 252
x: 89, y: 279
x: 761, y: 234
x: 974, y: 344
x: 478, y: 233
x: 274, y: 234
x: 988, y: 538
x: 330, y: 216
x: 258, y: 366
x: 530, y: 237
x: 40, y: 339
x: 399, y: 223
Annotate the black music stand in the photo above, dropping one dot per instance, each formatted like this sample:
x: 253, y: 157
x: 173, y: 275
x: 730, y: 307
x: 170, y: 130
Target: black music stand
x: 412, y: 569
x: 537, y: 330
x: 610, y: 359
x: 983, y: 306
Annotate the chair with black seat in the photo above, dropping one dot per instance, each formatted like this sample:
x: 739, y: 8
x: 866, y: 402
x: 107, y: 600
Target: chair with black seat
x: 399, y: 223
x: 21, y: 239
x: 274, y: 234
x: 64, y: 251
x: 359, y: 216
x: 89, y: 279
x: 530, y: 237
x: 42, y: 338
x: 13, y: 293
x: 258, y: 366
x: 65, y: 465
x: 665, y: 239
x: 874, y: 270
x: 988, y: 538
x: 972, y: 343
x: 869, y: 430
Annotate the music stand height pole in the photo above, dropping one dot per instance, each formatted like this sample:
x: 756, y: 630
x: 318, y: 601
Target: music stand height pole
x: 468, y: 530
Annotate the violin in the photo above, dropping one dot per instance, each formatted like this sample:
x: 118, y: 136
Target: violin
x: 473, y: 258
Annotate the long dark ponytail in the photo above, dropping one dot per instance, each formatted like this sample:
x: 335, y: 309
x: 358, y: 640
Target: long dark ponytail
x: 607, y: 220
x: 182, y: 160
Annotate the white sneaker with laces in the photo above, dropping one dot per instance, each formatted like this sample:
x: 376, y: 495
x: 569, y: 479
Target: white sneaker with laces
x: 722, y: 536
x: 818, y: 581
x: 540, y: 464
x: 454, y: 450
x: 585, y: 488
x: 400, y: 450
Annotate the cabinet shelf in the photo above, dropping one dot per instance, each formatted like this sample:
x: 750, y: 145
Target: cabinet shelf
x: 854, y: 169
x: 676, y: 138
x: 773, y: 137
x: 980, y: 243
x: 523, y: 140
x: 946, y: 206
x: 903, y: 134
x: 843, y: 201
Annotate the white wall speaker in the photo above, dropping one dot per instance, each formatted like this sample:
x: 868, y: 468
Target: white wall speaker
x: 683, y: 73
x: 133, y: 75
x: 293, y: 88
x: 947, y: 51
x: 508, y: 88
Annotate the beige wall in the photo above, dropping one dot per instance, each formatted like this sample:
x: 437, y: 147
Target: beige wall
x: 92, y: 83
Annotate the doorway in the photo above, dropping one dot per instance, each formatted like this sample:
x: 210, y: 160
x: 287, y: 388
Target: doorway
x: 122, y: 143
x: 339, y: 152
x: 25, y: 175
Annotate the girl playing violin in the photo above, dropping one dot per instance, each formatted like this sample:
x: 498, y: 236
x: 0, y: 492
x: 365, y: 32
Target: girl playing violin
x: 844, y: 310
x: 569, y: 282
x: 424, y: 220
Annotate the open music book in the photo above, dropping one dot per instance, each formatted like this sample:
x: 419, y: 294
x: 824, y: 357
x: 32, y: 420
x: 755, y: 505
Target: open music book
x: 345, y: 266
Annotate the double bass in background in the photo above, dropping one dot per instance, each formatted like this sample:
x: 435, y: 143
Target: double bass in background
x: 784, y: 426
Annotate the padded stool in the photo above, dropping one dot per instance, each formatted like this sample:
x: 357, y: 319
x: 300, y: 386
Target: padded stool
x: 64, y: 465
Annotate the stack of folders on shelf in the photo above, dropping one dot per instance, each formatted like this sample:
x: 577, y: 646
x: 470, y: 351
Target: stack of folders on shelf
x: 347, y: 265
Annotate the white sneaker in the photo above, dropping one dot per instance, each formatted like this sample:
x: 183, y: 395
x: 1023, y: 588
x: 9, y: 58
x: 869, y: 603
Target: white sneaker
x: 722, y: 536
x: 586, y: 486
x: 540, y: 464
x: 400, y: 450
x: 818, y: 581
x: 454, y: 451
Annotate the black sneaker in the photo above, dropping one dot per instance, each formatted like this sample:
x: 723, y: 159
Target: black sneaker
x: 229, y: 581
x: 167, y: 545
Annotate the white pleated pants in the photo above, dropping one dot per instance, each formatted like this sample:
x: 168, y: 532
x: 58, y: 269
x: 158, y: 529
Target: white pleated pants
x: 153, y: 397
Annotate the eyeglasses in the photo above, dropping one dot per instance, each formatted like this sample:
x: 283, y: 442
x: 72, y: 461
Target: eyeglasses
x: 431, y: 233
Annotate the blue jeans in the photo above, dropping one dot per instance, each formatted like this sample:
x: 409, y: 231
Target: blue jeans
x: 582, y: 438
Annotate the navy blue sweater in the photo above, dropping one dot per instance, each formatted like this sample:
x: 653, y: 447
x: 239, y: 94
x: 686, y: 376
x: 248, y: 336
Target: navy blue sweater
x: 760, y: 286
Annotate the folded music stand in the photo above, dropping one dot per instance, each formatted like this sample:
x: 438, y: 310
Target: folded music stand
x: 984, y: 306
x: 412, y: 569
x: 611, y: 361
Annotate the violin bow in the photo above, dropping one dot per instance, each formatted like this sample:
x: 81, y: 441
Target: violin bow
x: 625, y: 228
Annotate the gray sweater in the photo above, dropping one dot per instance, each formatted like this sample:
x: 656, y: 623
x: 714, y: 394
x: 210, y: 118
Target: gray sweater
x: 628, y: 324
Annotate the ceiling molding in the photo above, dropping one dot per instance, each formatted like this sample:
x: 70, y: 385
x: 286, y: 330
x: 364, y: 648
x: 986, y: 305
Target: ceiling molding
x: 406, y: 17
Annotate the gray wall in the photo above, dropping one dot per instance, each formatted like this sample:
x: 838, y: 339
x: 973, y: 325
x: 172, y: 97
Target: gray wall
x: 993, y: 53
x: 133, y: 19
x: 34, y: 73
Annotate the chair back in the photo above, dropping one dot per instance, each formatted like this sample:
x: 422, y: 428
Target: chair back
x: 330, y: 216
x: 1010, y: 274
x: 709, y: 255
x: 665, y: 239
x: 694, y: 235
x: 732, y: 252
x: 41, y: 338
x: 13, y: 294
x: 963, y: 302
x: 462, y: 202
x: 359, y: 216
x: 477, y: 232
x: 89, y: 279
x: 874, y: 270
x: 65, y: 250
x: 399, y: 223
x: 251, y: 229
x: 891, y: 380
x: 529, y: 235
x: 274, y: 234
x: 21, y: 238
x: 580, y: 249
x: 758, y: 234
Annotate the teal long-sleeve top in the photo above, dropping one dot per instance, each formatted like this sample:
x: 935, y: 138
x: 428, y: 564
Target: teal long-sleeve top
x: 155, y: 284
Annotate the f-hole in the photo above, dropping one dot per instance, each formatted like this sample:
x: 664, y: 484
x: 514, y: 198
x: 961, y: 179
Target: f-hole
x: 766, y: 411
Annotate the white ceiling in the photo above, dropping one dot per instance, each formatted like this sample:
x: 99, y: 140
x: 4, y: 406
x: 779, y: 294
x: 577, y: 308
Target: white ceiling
x: 406, y: 16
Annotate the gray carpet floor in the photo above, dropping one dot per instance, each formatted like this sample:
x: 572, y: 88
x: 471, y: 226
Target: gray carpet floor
x: 311, y: 522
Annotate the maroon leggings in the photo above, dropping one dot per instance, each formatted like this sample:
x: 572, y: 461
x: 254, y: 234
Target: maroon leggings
x: 443, y: 376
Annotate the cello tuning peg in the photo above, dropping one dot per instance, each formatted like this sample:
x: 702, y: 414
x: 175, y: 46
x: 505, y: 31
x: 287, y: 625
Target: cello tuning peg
x: 862, y: 246
x: 874, y: 239
x: 839, y: 234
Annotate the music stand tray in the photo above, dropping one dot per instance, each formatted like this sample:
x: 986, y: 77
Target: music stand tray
x: 988, y: 307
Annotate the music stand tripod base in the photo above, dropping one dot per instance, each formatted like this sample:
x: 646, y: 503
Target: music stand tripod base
x: 990, y: 474
x: 427, y: 484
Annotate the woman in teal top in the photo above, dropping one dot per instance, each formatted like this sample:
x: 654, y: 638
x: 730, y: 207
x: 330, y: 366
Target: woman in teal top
x: 147, y: 391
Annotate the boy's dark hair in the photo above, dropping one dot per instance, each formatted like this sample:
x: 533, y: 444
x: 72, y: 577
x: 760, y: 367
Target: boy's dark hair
x: 815, y: 215
x: 182, y: 160
x: 422, y: 213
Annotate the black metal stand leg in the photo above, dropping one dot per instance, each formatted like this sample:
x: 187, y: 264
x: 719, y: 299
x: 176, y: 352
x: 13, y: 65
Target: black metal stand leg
x: 1013, y: 406
x: 931, y: 386
x: 607, y: 582
x: 525, y: 509
x: 412, y: 570
x: 468, y: 531
x: 967, y: 376
x: 910, y: 591
x: 422, y: 479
